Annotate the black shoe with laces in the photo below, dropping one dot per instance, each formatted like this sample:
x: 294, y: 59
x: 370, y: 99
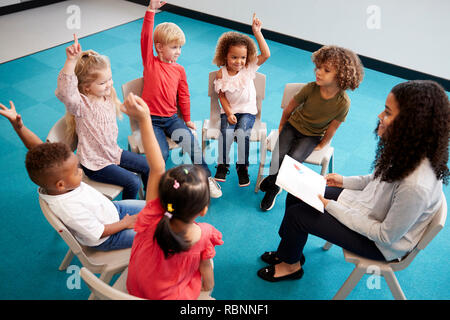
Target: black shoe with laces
x: 243, y: 177
x: 269, y: 198
x: 221, y: 173
x: 266, y: 183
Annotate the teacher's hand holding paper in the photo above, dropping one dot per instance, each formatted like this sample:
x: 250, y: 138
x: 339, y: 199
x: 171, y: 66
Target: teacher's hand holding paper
x: 334, y: 180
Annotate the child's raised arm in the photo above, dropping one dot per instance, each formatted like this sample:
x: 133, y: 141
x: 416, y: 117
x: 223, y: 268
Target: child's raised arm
x: 28, y: 137
x: 136, y: 108
x: 73, y: 52
x: 265, y: 51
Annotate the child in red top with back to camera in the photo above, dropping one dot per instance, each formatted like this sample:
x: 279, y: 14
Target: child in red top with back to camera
x: 166, y: 89
x: 171, y: 257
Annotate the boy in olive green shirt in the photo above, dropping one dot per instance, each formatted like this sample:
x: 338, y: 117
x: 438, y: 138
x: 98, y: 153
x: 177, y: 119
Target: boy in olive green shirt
x: 315, y: 113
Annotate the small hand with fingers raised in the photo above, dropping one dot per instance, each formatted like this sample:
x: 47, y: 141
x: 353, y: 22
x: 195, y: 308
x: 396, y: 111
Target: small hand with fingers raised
x: 74, y: 51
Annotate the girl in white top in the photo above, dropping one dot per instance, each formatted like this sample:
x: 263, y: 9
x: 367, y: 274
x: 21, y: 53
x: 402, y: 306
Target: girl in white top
x: 236, y: 54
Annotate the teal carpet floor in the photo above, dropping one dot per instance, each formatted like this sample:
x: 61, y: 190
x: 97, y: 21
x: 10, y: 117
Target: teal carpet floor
x: 31, y: 250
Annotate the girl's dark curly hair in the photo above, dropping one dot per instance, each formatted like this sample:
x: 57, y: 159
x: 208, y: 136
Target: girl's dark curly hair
x: 349, y: 69
x: 420, y: 130
x: 229, y: 39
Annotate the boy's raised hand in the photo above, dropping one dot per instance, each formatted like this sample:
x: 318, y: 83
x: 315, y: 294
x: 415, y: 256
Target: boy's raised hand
x: 256, y: 24
x: 156, y: 4
x: 11, y: 115
x: 74, y: 51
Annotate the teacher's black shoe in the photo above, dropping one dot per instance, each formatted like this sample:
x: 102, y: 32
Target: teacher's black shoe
x: 267, y: 273
x: 270, y: 257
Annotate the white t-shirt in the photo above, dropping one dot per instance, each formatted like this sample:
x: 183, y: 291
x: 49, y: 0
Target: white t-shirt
x: 239, y: 89
x: 84, y: 211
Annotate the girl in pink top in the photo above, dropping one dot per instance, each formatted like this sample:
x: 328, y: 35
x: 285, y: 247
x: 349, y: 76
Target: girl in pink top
x: 85, y: 86
x: 171, y: 257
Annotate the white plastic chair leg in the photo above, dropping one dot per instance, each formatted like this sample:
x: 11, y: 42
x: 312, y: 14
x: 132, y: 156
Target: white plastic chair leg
x: 66, y: 261
x: 350, y: 283
x: 393, y: 284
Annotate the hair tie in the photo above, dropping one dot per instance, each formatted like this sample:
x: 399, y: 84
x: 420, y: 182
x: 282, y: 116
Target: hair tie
x: 168, y: 215
x: 169, y: 207
x: 186, y: 171
x: 176, y: 184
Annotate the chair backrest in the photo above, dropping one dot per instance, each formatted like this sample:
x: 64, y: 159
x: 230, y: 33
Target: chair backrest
x: 58, y: 134
x: 214, y: 114
x: 136, y: 87
x: 62, y: 230
x: 290, y: 89
x: 68, y: 237
x: 102, y: 290
x: 436, y: 224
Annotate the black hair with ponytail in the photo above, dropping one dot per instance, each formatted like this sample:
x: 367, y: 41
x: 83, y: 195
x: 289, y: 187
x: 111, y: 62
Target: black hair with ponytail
x: 183, y: 192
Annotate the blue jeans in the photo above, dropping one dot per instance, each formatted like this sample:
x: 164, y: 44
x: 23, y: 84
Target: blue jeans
x: 123, y: 175
x: 242, y: 131
x: 122, y: 239
x: 175, y: 128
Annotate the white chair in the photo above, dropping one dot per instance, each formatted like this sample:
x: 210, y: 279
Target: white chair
x: 118, y: 291
x: 211, y: 126
x: 323, y: 157
x: 363, y: 265
x: 107, y: 263
x: 104, y: 291
x: 58, y: 134
x: 134, y: 141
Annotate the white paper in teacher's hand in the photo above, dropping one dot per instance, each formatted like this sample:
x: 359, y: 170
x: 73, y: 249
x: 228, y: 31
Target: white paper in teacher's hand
x: 302, y: 182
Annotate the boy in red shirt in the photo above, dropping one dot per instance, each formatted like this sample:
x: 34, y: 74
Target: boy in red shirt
x: 166, y: 87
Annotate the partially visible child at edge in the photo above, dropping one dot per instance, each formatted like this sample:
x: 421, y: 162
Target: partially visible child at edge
x: 166, y: 87
x: 93, y: 219
x: 85, y: 86
x: 236, y: 54
x: 171, y: 257
x: 315, y: 113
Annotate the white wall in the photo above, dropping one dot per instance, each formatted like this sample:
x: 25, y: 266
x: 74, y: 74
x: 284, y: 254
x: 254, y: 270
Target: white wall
x: 412, y: 33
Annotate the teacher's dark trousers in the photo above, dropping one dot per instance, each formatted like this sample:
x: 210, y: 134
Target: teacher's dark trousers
x: 300, y: 220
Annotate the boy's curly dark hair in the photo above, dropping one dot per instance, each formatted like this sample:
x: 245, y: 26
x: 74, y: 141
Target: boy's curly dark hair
x: 349, y: 69
x: 42, y: 159
x: 232, y: 38
x: 420, y: 130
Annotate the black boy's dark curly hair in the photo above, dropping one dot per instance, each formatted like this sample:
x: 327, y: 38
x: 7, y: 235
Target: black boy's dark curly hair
x: 420, y: 130
x: 43, y: 158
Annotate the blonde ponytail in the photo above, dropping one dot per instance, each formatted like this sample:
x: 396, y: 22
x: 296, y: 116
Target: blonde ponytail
x: 71, y: 132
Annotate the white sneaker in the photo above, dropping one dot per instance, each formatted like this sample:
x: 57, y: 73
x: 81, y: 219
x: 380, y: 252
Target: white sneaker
x: 214, y: 188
